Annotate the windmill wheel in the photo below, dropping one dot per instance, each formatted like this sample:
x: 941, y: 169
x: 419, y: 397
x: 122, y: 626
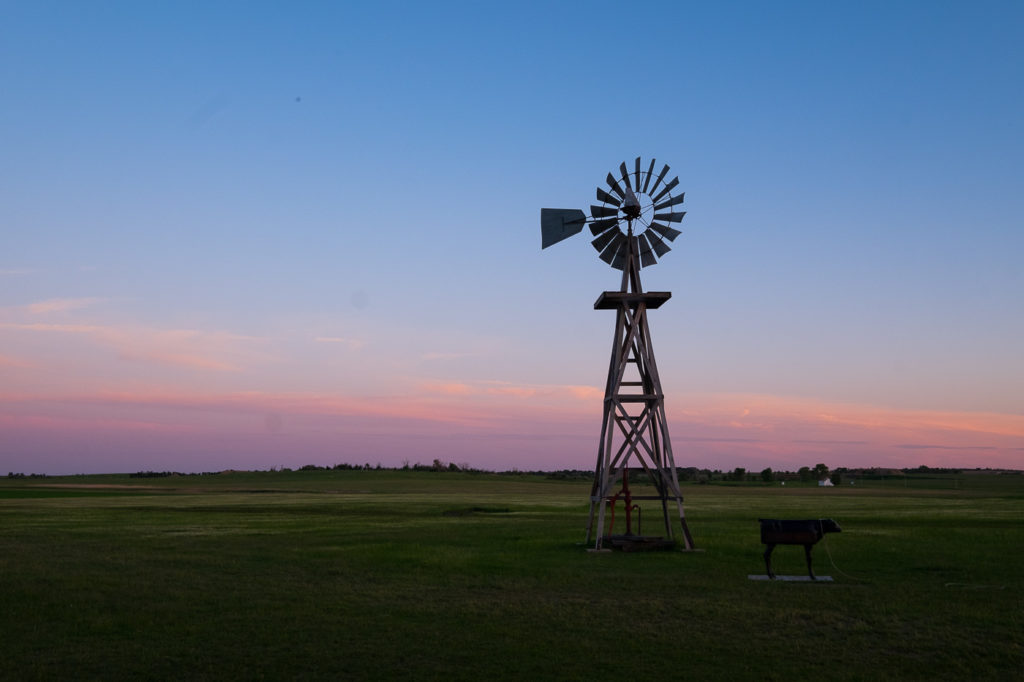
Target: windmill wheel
x: 637, y: 205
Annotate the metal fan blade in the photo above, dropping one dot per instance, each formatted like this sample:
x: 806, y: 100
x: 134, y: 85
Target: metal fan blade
x: 599, y: 226
x: 615, y: 186
x: 670, y: 202
x: 665, y: 231
x: 643, y: 243
x: 646, y: 256
x: 557, y: 224
x: 625, y: 174
x: 604, y: 240
x: 659, y: 246
x: 603, y: 211
x: 666, y: 189
x: 670, y: 217
x: 619, y: 261
x: 636, y: 181
x: 647, y: 180
x: 608, y: 198
x: 612, y: 249
x: 661, y: 175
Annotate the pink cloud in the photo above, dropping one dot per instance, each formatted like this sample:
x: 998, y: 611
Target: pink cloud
x: 60, y: 305
x: 501, y: 425
x: 188, y: 348
x: 92, y: 424
x: 449, y: 388
x: 8, y: 361
x: 443, y: 356
x: 351, y: 344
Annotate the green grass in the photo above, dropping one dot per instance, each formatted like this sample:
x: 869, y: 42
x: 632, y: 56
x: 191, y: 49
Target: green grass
x: 384, y: 574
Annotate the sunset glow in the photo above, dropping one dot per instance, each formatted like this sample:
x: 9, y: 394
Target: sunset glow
x: 314, y: 238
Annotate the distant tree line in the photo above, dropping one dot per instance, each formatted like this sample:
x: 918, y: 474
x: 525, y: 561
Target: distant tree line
x: 805, y: 474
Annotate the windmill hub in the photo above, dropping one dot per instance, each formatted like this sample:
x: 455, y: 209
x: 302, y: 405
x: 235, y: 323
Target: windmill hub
x: 631, y: 206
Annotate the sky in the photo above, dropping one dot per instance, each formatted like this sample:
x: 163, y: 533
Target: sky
x: 252, y: 234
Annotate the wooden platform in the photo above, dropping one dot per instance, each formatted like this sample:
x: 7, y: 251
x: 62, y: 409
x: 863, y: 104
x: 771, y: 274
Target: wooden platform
x: 792, y: 578
x: 611, y: 300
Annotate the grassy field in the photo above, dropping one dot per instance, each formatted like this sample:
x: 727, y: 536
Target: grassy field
x: 388, y: 574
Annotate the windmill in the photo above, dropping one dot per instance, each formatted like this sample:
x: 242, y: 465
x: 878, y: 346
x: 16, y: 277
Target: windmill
x: 631, y: 229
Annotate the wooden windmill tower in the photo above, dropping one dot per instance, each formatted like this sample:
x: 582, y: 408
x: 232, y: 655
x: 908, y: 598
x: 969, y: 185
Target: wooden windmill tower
x: 631, y: 228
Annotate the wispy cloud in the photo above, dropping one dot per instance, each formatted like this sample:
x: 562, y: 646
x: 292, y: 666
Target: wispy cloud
x: 920, y: 446
x: 190, y: 348
x: 351, y: 344
x: 809, y: 413
x: 392, y: 410
x: 696, y: 439
x: 443, y: 356
x: 450, y: 388
x: 513, y: 390
x: 807, y: 441
x: 14, y: 272
x: 60, y: 305
x: 8, y: 361
x: 89, y: 422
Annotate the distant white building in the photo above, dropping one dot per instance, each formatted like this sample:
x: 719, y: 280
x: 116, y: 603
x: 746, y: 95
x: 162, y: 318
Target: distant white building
x: 825, y: 483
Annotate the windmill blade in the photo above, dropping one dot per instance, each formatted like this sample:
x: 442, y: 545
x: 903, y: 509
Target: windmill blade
x: 557, y: 224
x: 636, y: 181
x: 646, y: 256
x: 647, y: 180
x: 619, y: 261
x: 670, y: 202
x: 614, y: 185
x: 603, y: 211
x: 661, y: 175
x: 647, y: 259
x: 610, y: 251
x: 625, y: 174
x: 604, y: 240
x: 670, y: 217
x: 666, y: 189
x: 608, y: 198
x: 658, y: 244
x: 665, y: 231
x: 599, y: 226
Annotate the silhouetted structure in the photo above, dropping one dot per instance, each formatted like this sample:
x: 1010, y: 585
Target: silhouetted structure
x: 794, y: 532
x: 629, y: 236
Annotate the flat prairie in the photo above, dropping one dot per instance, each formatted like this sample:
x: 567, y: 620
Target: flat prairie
x: 424, y: 575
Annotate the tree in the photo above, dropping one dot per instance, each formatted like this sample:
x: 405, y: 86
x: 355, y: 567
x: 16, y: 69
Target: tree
x: 739, y: 474
x: 837, y: 478
x: 820, y: 471
x: 805, y: 474
x: 767, y: 475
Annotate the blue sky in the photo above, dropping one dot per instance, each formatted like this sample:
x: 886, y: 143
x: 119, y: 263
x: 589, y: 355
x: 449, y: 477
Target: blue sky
x: 330, y: 204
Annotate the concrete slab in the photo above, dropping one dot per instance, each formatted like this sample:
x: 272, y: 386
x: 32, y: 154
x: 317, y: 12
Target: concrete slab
x: 793, y: 578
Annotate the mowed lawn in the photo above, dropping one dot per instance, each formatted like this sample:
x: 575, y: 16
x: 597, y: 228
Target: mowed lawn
x: 388, y: 574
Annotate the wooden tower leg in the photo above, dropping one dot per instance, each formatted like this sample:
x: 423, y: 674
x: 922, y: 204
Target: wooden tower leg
x: 634, y: 428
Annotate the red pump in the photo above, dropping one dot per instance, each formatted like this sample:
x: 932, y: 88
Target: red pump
x: 629, y: 506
